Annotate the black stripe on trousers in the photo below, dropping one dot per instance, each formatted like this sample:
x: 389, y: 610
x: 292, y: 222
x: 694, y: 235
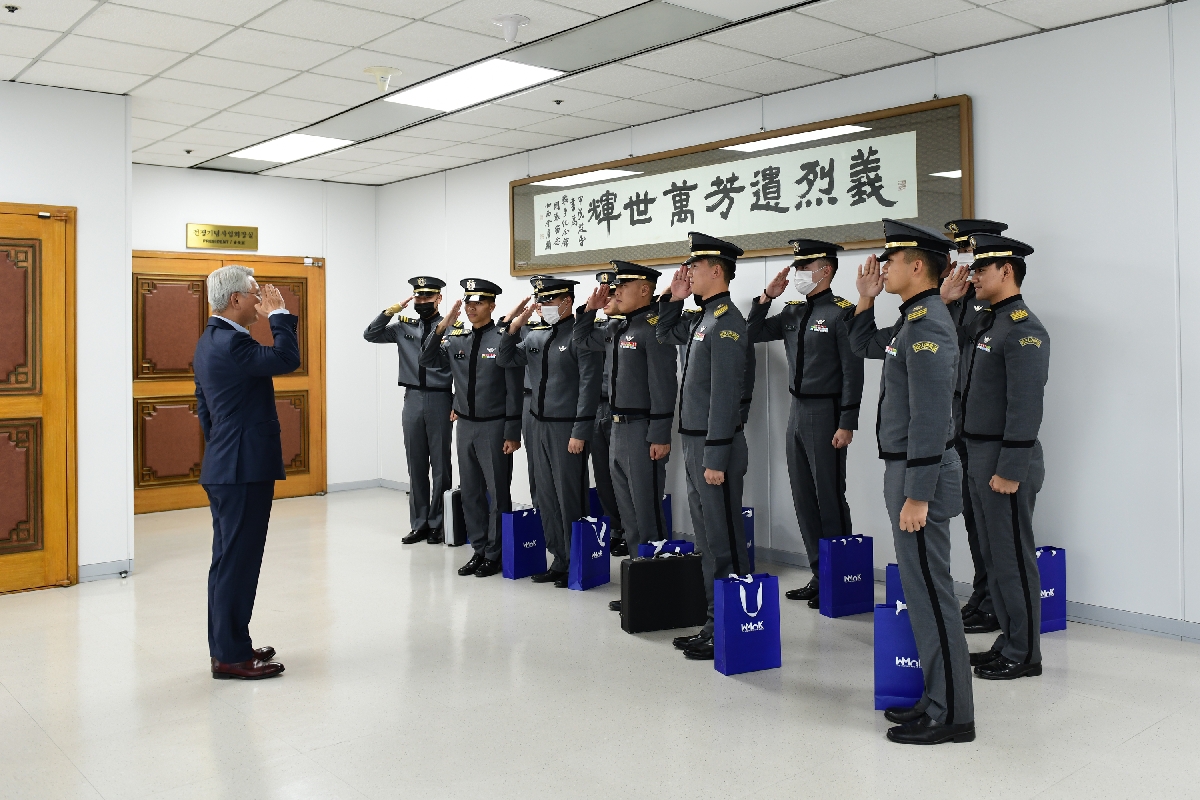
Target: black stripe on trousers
x: 1016, y: 526
x: 733, y: 551
x: 941, y: 625
x: 659, y: 521
x: 587, y: 495
x: 840, y: 469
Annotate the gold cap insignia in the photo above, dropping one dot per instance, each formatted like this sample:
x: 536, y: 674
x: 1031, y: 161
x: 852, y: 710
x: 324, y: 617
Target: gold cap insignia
x: 537, y: 285
x: 972, y: 242
x: 421, y: 281
x: 604, y: 277
x: 470, y: 285
x: 953, y: 229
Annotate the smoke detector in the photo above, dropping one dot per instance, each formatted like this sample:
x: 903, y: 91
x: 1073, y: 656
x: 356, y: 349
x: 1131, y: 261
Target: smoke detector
x: 383, y: 76
x: 510, y: 23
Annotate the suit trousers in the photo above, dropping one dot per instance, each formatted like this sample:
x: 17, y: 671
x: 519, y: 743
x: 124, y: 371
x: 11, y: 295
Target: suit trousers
x: 427, y: 434
x: 924, y: 560
x: 818, y: 474
x: 639, y: 483
x: 240, y: 513
x: 981, y: 598
x: 527, y: 435
x: 484, y: 470
x: 1006, y: 538
x: 602, y: 466
x: 562, y: 486
x: 717, y: 515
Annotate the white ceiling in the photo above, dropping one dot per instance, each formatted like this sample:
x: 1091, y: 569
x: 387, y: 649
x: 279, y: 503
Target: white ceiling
x: 214, y: 76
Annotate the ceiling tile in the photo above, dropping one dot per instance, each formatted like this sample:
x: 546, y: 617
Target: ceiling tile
x: 326, y: 22
x: 48, y: 73
x: 476, y: 150
x: 148, y: 129
x: 772, y: 76
x: 502, y: 116
x: 451, y: 131
x: 555, y: 100
x: 325, y: 89
x: 522, y: 140
x: 200, y: 152
x: 234, y: 74
x: 601, y: 8
x: 231, y: 12
x: 351, y: 65
x: 438, y: 44
x: 859, y: 55
x: 82, y: 51
x: 740, y: 10
x: 363, y: 178
x: 149, y: 28
x: 163, y: 111
x: 24, y: 42
x: 783, y: 34
x: 630, y: 112
x: 272, y: 49
x: 366, y: 155
x: 696, y: 95
x: 11, y: 65
x: 437, y: 162
x: 301, y: 171
x: 248, y: 123
x: 138, y: 142
x: 545, y: 19
x: 394, y: 170
x: 54, y: 15
x: 332, y: 162
x: 413, y: 9
x: 621, y: 80
x: 289, y: 108
x: 695, y: 59
x: 957, y: 31
x: 227, y: 139
x: 205, y: 95
x: 399, y: 144
x: 873, y: 16
x: 1056, y: 13
x: 573, y: 127
x: 160, y: 160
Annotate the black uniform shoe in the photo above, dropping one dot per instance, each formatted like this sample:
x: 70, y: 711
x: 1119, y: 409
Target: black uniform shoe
x: 489, y: 568
x: 701, y: 650
x: 435, y: 537
x: 902, y: 715
x: 684, y: 642
x: 925, y: 731
x: 969, y: 609
x: 614, y: 605
x: 805, y: 592
x: 472, y: 565
x: 814, y: 602
x: 1001, y: 669
x: 618, y: 546
x: 561, y: 583
x: 986, y: 657
x: 980, y: 622
x: 549, y: 576
x: 415, y: 536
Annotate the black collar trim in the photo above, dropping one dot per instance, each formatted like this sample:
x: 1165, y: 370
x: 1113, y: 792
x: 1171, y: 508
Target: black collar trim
x: 907, y: 304
x: 1016, y: 298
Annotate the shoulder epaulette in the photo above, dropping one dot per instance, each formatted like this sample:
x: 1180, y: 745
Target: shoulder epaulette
x: 539, y: 327
x: 794, y: 303
x: 692, y: 310
x: 458, y: 324
x: 460, y: 332
x: 841, y: 302
x: 616, y: 316
x: 409, y: 320
x: 1019, y: 315
x: 916, y: 313
x: 652, y: 321
x: 721, y: 309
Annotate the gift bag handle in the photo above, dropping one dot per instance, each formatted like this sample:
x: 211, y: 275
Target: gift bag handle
x: 742, y: 592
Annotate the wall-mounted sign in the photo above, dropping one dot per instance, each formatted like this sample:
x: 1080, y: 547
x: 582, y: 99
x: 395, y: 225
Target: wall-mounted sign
x: 221, y: 237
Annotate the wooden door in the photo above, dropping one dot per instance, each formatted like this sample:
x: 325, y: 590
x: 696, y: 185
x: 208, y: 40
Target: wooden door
x: 170, y: 310
x: 37, y: 397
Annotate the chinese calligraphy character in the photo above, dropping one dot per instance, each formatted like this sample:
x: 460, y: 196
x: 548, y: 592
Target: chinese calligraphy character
x: 865, y: 182
x: 767, y: 191
x: 681, y: 198
x: 604, y: 209
x: 723, y: 189
x: 813, y: 172
x: 639, y: 208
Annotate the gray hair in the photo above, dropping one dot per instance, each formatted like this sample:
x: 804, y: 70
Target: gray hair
x: 226, y: 282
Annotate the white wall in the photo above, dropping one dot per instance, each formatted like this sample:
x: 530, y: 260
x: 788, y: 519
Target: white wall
x: 294, y: 218
x: 1075, y: 134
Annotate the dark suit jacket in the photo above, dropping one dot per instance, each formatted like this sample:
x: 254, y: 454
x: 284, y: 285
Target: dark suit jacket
x: 236, y: 400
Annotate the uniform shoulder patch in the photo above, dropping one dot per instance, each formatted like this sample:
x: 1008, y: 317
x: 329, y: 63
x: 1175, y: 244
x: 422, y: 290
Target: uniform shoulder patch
x: 841, y: 302
x: 730, y: 335
x: 1033, y: 340
x: 1019, y: 315
x: 917, y: 313
x: 652, y: 320
x: 692, y: 310
x: 919, y: 346
x: 794, y: 303
x: 721, y: 309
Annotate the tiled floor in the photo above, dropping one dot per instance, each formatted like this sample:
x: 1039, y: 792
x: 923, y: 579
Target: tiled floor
x: 404, y: 680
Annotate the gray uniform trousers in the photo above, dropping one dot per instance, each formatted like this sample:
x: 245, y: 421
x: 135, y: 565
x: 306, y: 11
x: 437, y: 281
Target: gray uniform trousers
x: 527, y: 423
x: 427, y: 433
x: 1005, y: 523
x: 562, y: 478
x: 924, y: 559
x: 483, y: 467
x: 980, y: 594
x: 601, y: 466
x: 818, y: 473
x: 639, y: 483
x: 717, y: 514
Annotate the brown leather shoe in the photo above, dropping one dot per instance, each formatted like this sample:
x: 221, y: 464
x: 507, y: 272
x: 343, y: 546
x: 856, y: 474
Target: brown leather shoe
x: 264, y: 654
x: 252, y: 670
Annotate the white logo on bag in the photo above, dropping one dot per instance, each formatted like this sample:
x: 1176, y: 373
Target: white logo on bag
x: 905, y: 661
x: 742, y: 592
x: 528, y: 545
x: 852, y: 578
x: 750, y: 627
x: 749, y: 512
x: 900, y: 606
x: 1047, y: 593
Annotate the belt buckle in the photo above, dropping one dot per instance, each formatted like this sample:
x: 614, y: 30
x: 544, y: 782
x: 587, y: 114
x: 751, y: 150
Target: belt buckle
x: 616, y: 418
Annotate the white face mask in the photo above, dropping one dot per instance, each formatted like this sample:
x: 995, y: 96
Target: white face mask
x: 803, y: 281
x: 964, y: 260
x: 550, y: 314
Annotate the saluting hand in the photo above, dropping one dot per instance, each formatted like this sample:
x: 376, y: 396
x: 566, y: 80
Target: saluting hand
x: 271, y: 300
x: 451, y: 317
x: 956, y: 283
x: 777, y: 286
x: 681, y: 283
x: 598, y: 298
x: 870, y: 278
x: 396, y: 308
x: 519, y: 315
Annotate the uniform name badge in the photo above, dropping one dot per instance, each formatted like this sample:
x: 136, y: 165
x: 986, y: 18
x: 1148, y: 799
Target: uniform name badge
x: 491, y: 353
x: 819, y: 327
x: 628, y: 343
x: 699, y: 334
x: 891, y: 351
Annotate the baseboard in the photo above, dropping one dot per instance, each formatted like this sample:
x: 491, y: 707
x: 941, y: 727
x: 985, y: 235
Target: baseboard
x: 106, y: 569
x: 395, y: 485
x: 373, y: 483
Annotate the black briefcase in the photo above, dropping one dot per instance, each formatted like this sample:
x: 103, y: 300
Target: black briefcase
x: 662, y: 593
x: 455, y: 527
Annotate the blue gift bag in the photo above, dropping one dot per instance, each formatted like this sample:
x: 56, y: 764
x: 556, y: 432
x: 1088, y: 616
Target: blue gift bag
x: 893, y: 588
x: 746, y: 617
x: 847, y: 584
x: 523, y: 545
x: 589, y: 553
x: 676, y: 546
x: 898, y: 677
x: 748, y: 522
x: 1052, y: 566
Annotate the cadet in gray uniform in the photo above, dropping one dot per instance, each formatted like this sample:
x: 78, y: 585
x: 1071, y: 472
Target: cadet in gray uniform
x: 1003, y: 379
x: 642, y: 386
x: 922, y: 476
x: 593, y: 338
x: 487, y: 402
x: 713, y: 344
x: 565, y: 382
x: 427, y: 403
x: 826, y: 384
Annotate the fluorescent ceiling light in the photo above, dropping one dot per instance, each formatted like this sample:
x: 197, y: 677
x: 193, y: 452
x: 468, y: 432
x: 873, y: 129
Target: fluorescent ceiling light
x: 954, y: 173
x: 292, y: 147
x: 587, y: 177
x: 466, y: 87
x: 795, y: 138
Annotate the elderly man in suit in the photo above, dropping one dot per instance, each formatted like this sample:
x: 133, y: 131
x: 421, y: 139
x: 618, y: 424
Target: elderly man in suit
x: 235, y: 400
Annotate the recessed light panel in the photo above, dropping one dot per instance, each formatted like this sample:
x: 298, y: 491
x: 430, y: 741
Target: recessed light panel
x: 587, y: 177
x: 292, y: 147
x: 475, y: 84
x: 795, y: 138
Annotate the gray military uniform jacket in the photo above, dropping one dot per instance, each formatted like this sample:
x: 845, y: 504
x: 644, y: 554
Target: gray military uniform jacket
x: 483, y: 390
x: 409, y: 336
x: 1002, y: 379
x: 639, y: 372
x: 565, y: 378
x: 916, y: 389
x: 817, y: 341
x: 964, y: 311
x: 713, y: 344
